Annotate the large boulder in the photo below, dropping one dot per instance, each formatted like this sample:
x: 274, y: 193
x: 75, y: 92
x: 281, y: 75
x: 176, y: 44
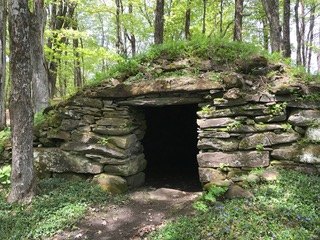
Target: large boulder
x: 111, y: 183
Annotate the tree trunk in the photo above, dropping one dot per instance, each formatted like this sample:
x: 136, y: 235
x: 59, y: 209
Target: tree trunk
x: 40, y: 85
x: 238, y: 14
x: 3, y: 17
x: 21, y: 115
x: 119, y: 43
x: 310, y: 36
x: 303, y: 31
x: 132, y: 37
x: 61, y: 17
x: 204, y: 16
x: 286, y: 29
x: 298, y: 32
x: 271, y: 8
x: 221, y: 18
x: 159, y: 22
x: 187, y: 23
x: 265, y: 34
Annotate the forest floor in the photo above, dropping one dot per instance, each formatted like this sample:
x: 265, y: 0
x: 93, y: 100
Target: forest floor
x: 146, y: 210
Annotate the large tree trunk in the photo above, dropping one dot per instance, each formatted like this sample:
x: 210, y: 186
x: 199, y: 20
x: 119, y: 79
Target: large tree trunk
x: 3, y: 17
x: 238, y: 13
x: 21, y: 115
x: 271, y: 8
x: 286, y: 29
x: 40, y: 85
x: 159, y: 22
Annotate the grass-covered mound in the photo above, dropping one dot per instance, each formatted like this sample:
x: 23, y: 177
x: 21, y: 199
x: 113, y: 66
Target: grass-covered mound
x: 288, y: 208
x: 216, y: 50
x: 58, y: 205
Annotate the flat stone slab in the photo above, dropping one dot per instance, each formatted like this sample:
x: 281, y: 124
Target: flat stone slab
x: 268, y: 139
x: 235, y: 159
x: 56, y: 160
x: 161, y: 101
x: 215, y: 122
x: 172, y: 84
x: 304, y: 117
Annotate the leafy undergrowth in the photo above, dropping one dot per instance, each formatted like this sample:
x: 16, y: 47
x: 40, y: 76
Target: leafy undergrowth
x: 288, y: 208
x: 59, y: 205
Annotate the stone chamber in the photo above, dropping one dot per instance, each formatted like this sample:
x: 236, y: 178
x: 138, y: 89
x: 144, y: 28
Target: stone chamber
x: 187, y: 130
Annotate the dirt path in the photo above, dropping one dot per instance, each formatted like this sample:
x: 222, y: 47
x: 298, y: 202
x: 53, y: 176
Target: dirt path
x: 147, y: 209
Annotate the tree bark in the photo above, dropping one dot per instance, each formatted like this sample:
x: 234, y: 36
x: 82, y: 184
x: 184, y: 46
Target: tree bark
x: 21, y: 115
x: 286, y: 29
x: 3, y: 18
x: 238, y: 14
x: 40, y: 85
x: 159, y: 22
x: 271, y: 8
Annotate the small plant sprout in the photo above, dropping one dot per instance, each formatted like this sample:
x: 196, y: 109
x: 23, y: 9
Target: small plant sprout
x: 104, y: 141
x: 259, y: 147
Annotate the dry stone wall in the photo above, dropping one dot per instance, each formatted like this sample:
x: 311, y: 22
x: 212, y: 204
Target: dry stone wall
x: 244, y: 123
x: 92, y: 136
x: 239, y: 132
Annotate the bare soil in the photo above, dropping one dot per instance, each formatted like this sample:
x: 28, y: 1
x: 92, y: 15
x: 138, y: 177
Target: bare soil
x: 148, y: 209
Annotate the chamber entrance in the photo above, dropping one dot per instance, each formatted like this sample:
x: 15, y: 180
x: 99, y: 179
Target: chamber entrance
x: 170, y: 147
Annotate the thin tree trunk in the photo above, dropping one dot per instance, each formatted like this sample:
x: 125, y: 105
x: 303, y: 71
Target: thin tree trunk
x: 221, y: 17
x: 159, y: 22
x: 187, y: 23
x: 61, y: 17
x: 286, y: 29
x: 204, y: 16
x: 271, y: 8
x: 310, y: 36
x: 21, y: 115
x: 265, y: 34
x: 132, y: 37
x: 303, y: 31
x: 119, y: 43
x: 298, y: 32
x: 238, y: 14
x: 40, y: 85
x: 3, y: 18
x: 318, y: 55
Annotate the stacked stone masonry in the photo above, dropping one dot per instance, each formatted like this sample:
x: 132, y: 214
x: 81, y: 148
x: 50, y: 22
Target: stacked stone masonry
x: 99, y: 133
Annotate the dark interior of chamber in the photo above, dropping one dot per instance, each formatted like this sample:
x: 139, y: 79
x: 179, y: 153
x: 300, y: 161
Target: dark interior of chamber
x: 170, y: 147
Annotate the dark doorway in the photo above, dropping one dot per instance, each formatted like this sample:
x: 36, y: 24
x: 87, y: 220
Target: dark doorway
x: 170, y: 147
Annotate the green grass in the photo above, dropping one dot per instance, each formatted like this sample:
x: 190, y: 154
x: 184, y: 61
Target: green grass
x: 217, y: 49
x: 288, y: 208
x: 59, y: 205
